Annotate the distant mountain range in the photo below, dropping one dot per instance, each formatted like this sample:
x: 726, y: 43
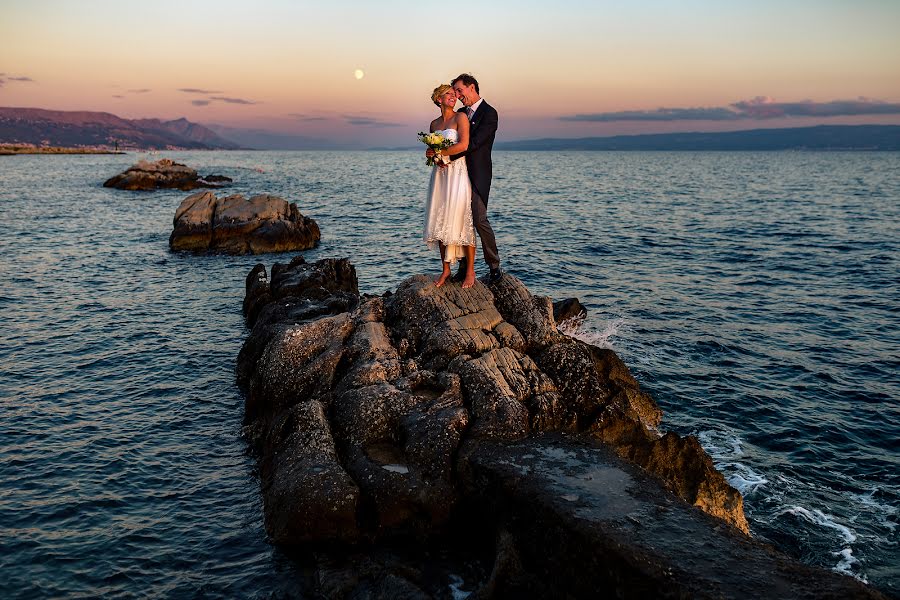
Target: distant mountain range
x: 820, y: 137
x: 41, y: 127
x: 91, y: 129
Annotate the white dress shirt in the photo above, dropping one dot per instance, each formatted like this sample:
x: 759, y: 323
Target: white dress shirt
x: 474, y: 107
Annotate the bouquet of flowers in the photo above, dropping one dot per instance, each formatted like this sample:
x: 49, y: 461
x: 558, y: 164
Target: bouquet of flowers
x: 436, y: 142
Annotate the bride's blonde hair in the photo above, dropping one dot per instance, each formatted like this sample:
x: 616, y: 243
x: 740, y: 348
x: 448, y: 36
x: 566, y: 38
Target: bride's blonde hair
x: 438, y: 92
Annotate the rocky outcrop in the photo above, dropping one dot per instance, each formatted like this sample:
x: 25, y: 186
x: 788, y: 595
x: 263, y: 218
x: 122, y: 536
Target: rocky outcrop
x: 236, y: 225
x: 435, y: 413
x: 404, y: 379
x: 163, y: 174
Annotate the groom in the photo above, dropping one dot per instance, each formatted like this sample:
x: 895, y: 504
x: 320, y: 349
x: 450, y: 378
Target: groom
x: 482, y: 130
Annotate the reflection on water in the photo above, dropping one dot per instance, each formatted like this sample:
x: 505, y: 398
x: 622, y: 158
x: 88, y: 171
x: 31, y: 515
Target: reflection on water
x: 755, y: 295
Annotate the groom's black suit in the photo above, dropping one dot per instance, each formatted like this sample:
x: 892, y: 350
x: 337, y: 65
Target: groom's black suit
x: 482, y: 131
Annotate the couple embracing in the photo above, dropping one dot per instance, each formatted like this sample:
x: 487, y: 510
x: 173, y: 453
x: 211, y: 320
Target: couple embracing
x: 458, y: 192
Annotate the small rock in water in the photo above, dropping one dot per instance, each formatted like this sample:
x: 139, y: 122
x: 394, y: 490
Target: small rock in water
x: 163, y: 174
x: 570, y: 308
x: 217, y: 179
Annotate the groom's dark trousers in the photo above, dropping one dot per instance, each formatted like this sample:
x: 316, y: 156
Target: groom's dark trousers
x: 482, y: 131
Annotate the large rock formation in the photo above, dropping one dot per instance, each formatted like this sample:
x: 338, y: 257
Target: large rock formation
x: 164, y: 173
x: 235, y: 225
x: 465, y: 413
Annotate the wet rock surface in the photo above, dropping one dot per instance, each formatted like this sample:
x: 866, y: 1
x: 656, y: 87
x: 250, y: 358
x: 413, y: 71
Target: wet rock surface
x: 163, y: 174
x: 237, y: 225
x: 574, y: 512
x: 464, y: 418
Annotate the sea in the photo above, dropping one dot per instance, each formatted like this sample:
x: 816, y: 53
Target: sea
x: 756, y: 296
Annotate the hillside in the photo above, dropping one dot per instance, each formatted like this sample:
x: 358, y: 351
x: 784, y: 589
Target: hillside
x: 92, y: 129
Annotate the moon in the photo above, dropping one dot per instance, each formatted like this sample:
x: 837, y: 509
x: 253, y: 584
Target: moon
x: 359, y: 74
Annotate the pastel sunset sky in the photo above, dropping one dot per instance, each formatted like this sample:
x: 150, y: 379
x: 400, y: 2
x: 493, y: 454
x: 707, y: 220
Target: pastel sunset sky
x: 568, y: 68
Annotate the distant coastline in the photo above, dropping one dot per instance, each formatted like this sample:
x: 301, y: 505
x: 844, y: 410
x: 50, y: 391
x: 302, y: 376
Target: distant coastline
x: 10, y: 150
x: 75, y: 132
x: 819, y: 137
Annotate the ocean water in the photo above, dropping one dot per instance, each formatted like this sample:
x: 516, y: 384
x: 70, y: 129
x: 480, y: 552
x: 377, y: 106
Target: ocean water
x: 755, y: 295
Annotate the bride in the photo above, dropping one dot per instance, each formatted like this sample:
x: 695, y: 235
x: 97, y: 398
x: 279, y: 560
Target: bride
x: 448, y: 209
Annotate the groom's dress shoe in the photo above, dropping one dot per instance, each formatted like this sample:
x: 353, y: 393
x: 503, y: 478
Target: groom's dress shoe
x: 459, y: 277
x: 495, y: 275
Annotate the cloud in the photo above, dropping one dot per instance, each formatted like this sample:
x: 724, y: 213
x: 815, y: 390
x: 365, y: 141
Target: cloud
x: 369, y: 121
x: 6, y: 78
x: 136, y: 91
x: 233, y: 100
x: 763, y: 107
x: 207, y: 101
x: 660, y: 114
x: 302, y: 117
x: 198, y: 91
x: 758, y: 108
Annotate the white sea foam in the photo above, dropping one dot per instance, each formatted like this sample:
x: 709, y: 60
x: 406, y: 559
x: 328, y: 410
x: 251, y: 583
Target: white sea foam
x: 602, y: 338
x: 817, y: 517
x: 845, y: 565
x: 724, y: 447
x: 571, y: 327
x: 743, y: 478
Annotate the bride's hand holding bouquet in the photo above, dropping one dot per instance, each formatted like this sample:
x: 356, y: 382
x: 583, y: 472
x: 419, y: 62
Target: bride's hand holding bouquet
x: 436, y: 142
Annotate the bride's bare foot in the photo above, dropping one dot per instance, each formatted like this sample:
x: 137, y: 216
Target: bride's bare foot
x: 442, y: 279
x: 469, y: 281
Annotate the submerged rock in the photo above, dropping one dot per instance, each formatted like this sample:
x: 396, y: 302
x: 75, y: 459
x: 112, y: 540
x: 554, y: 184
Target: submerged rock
x: 235, y: 225
x: 441, y: 411
x: 164, y: 173
x: 216, y: 179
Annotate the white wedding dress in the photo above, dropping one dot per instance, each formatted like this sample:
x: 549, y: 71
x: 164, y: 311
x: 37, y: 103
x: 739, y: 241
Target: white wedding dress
x: 448, y: 208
